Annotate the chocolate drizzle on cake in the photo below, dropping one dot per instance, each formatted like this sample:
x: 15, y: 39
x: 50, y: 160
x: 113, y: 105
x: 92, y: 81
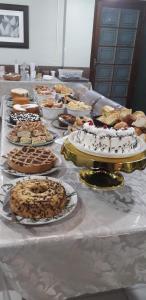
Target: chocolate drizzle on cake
x: 14, y: 118
x: 107, y: 140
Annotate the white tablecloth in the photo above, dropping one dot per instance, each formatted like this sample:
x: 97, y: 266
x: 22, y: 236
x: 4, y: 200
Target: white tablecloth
x: 100, y: 246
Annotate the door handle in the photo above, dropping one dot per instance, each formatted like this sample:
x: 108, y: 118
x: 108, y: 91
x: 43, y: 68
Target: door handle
x: 95, y: 61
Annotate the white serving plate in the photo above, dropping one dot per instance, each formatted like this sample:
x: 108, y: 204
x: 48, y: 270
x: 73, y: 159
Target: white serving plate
x: 138, y: 150
x: 5, y: 168
x: 5, y: 210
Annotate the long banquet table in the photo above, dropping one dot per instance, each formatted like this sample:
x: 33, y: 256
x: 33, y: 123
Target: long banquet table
x: 100, y: 246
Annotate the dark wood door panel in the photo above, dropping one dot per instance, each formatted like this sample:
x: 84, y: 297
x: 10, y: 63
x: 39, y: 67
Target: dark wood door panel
x: 115, y: 49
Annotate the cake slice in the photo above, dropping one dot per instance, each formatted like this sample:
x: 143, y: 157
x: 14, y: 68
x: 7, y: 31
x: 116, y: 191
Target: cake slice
x: 38, y: 132
x: 49, y: 137
x: 110, y: 120
x: 38, y: 140
x: 124, y: 112
x: 140, y: 122
x: 24, y: 133
x: 106, y: 110
x: 13, y: 138
x: 25, y: 140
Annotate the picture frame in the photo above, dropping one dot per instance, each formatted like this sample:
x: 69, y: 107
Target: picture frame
x: 14, y: 26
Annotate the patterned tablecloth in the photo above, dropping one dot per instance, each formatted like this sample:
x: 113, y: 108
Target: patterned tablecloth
x: 100, y: 246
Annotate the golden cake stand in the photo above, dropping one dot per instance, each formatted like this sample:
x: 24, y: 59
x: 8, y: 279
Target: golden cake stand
x: 102, y: 172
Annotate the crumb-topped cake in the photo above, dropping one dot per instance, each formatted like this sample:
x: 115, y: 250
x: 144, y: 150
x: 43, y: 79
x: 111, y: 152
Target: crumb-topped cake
x: 107, y: 140
x: 37, y: 199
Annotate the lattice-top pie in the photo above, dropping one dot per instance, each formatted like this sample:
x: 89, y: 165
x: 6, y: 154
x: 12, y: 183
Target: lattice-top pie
x: 31, y: 160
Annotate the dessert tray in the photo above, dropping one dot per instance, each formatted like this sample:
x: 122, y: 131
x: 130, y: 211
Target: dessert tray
x: 54, y: 136
x: 100, y: 172
x: 6, y: 212
x: 6, y: 169
x: 31, y: 133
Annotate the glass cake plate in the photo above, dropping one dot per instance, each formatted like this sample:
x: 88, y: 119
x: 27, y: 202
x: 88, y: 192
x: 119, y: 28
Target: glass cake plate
x: 141, y: 147
x: 6, y: 212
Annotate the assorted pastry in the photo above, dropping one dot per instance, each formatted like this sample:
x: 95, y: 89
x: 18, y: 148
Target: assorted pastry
x: 37, y: 199
x: 43, y: 90
x: 66, y: 99
x: 33, y: 133
x: 70, y: 122
x: 30, y: 160
x: 123, y: 118
x: 50, y: 103
x: 78, y: 105
x: 62, y: 89
x: 79, y: 122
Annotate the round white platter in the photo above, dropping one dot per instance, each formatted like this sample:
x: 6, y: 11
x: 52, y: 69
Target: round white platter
x: 6, y: 212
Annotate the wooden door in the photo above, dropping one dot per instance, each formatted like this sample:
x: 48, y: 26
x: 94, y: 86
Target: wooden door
x: 117, y: 32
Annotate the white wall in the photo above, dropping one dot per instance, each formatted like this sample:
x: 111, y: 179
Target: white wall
x: 46, y: 19
x: 45, y: 30
x: 79, y: 25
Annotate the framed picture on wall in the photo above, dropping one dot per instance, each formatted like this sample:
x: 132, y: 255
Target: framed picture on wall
x: 14, y: 26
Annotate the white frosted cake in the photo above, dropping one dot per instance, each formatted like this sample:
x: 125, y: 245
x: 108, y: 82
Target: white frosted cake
x: 106, y: 140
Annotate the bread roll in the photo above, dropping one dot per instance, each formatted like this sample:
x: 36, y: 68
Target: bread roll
x: 138, y: 131
x: 124, y: 112
x: 140, y: 122
x: 106, y: 110
x: 121, y: 125
x: 143, y: 136
x: 138, y: 114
